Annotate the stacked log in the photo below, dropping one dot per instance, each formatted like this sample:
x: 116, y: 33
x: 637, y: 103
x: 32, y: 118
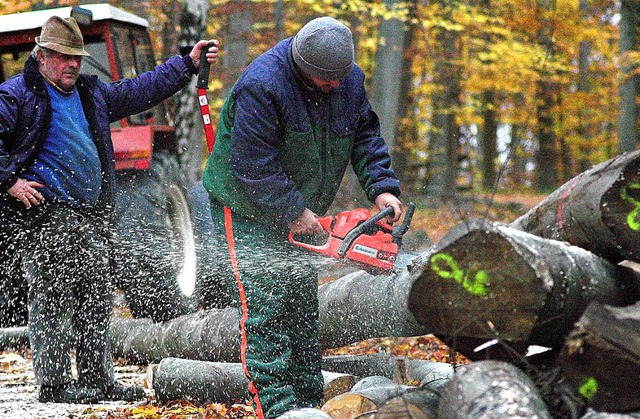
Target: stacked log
x: 598, y: 210
x: 206, y: 382
x: 14, y: 337
x: 488, y: 281
x: 491, y: 389
x: 601, y: 357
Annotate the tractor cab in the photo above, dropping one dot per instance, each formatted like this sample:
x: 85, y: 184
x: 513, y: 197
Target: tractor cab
x: 120, y: 47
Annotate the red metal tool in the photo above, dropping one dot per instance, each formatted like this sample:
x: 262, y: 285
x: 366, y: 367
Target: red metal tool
x: 358, y: 237
x: 202, y: 84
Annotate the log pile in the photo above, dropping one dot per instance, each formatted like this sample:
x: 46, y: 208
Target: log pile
x: 560, y: 276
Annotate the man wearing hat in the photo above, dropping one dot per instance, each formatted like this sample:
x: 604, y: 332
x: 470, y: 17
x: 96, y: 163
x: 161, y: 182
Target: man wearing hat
x: 292, y: 123
x: 57, y: 179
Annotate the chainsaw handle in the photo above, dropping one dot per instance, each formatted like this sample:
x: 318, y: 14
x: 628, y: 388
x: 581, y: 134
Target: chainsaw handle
x: 359, y: 229
x: 205, y: 68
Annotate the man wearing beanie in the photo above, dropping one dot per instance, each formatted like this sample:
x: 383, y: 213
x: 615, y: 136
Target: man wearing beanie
x: 292, y: 123
x: 57, y: 193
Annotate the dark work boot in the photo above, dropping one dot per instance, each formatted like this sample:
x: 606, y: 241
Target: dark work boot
x: 119, y: 391
x: 69, y: 393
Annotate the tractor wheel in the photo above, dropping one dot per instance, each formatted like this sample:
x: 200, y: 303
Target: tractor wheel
x: 154, y: 250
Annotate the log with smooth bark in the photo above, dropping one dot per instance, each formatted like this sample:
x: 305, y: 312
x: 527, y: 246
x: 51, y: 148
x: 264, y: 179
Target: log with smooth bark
x: 210, y: 335
x: 205, y: 382
x: 360, y: 306
x: 488, y: 281
x: 491, y: 390
x: 355, y: 307
x: 598, y: 210
x: 601, y: 357
x: 376, y: 367
x: 14, y: 337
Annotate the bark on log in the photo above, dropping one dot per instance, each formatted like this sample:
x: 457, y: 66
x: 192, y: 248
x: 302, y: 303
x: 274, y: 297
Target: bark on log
x: 598, y: 210
x: 14, y: 337
x: 378, y: 367
x: 360, y: 306
x: 491, y: 390
x: 487, y: 281
x: 210, y: 335
x: 603, y: 348
x: 206, y: 382
x: 355, y: 307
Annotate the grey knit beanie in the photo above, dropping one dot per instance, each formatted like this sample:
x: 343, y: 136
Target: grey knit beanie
x: 323, y: 48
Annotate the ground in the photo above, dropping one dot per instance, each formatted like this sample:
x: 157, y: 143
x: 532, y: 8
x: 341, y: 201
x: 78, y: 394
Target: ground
x: 18, y: 392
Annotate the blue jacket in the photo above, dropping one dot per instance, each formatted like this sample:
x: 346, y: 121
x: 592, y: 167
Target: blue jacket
x: 282, y: 147
x: 25, y: 117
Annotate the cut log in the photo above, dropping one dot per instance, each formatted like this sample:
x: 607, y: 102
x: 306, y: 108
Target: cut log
x: 488, y: 281
x: 360, y: 306
x: 210, y: 335
x: 357, y: 402
x: 306, y: 413
x: 14, y: 337
x: 419, y: 404
x: 206, y: 382
x: 598, y: 210
x: 491, y: 390
x: 352, y: 308
x: 601, y: 357
x: 382, y: 364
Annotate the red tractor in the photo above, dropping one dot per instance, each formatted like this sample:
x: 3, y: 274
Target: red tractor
x: 154, y: 254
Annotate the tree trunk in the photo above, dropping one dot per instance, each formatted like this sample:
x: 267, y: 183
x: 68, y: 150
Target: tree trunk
x: 603, y: 348
x: 628, y: 90
x: 421, y: 404
x: 487, y: 281
x: 189, y: 130
x: 386, y: 93
x: 443, y: 137
x: 598, y: 210
x: 207, y: 382
x: 491, y: 389
x: 489, y: 141
x: 546, y: 88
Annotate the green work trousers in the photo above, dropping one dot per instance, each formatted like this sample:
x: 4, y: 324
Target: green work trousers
x: 278, y: 289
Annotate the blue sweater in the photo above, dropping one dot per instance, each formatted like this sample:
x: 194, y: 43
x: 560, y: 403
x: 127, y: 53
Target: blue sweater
x: 68, y: 164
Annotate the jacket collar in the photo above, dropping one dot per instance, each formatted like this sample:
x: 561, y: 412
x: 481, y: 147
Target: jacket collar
x: 32, y: 76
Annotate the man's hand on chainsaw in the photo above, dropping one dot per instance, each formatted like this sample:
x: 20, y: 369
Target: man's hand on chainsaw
x: 385, y: 200
x: 306, y: 223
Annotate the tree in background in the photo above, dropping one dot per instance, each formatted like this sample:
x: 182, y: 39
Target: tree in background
x: 524, y: 93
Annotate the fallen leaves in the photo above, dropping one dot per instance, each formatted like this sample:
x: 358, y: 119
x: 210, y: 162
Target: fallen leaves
x: 180, y: 409
x: 422, y: 347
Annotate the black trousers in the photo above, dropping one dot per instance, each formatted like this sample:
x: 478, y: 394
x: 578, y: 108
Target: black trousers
x: 65, y: 261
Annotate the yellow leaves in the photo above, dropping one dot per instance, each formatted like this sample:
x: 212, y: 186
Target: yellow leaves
x: 183, y: 409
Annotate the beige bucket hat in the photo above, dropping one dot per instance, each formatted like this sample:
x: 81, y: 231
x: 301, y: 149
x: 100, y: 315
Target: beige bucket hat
x: 62, y: 35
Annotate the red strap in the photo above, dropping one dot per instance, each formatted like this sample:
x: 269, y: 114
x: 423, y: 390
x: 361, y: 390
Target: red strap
x: 228, y: 228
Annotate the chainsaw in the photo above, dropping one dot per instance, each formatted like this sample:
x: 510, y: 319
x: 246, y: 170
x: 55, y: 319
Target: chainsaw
x: 357, y: 237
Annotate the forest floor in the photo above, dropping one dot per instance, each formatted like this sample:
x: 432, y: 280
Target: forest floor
x: 18, y: 391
